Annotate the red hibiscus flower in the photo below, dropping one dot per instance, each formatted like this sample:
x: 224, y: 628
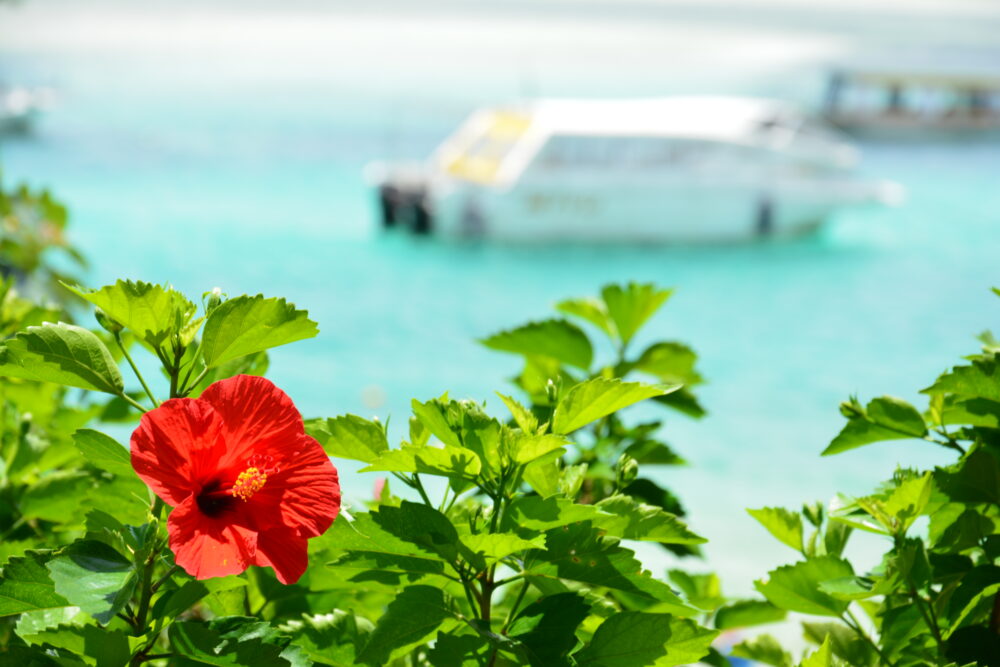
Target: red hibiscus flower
x: 247, y: 485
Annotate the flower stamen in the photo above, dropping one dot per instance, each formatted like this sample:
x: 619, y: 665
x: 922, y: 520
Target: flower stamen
x: 249, y: 482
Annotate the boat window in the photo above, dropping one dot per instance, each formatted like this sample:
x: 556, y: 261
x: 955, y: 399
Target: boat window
x: 481, y: 158
x: 590, y: 152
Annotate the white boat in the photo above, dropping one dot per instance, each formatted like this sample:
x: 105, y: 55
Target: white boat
x: 669, y: 169
x: 20, y: 106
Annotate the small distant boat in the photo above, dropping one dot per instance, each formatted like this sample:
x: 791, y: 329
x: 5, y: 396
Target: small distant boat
x: 670, y: 169
x: 20, y: 106
x: 914, y: 103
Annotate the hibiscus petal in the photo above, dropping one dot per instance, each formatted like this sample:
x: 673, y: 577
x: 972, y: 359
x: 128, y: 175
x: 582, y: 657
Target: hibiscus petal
x: 255, y: 414
x: 283, y: 550
x: 305, y: 488
x: 175, y: 446
x: 207, y: 547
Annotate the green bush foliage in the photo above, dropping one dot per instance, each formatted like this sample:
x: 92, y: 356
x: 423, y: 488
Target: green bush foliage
x: 934, y: 599
x: 500, y: 532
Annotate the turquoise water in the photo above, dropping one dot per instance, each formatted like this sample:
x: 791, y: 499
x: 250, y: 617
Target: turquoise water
x: 226, y: 147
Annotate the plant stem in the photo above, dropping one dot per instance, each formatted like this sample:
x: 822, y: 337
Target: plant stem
x: 128, y: 399
x: 469, y: 589
x: 951, y: 444
x: 162, y: 580
x: 135, y: 369
x: 174, y: 371
x: 419, y: 486
x: 856, y: 626
x: 921, y: 602
x: 194, y: 362
x: 513, y: 609
x: 146, y: 586
x: 188, y: 387
x: 510, y: 580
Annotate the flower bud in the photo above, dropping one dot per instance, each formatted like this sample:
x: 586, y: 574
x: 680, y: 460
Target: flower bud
x: 626, y: 470
x: 551, y: 391
x: 212, y: 299
x: 106, y: 322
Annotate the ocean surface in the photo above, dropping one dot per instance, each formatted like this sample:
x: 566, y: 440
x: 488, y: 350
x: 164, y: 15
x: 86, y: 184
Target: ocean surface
x: 222, y: 144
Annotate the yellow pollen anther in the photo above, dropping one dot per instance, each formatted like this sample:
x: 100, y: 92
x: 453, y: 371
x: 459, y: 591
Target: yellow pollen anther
x: 248, y: 483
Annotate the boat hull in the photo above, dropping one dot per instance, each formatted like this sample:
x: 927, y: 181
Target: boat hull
x: 680, y: 212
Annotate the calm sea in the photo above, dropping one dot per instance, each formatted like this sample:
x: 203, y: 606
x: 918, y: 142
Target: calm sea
x: 222, y: 145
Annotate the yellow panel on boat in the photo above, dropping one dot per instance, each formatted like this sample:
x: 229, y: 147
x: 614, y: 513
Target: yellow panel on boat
x: 480, y: 161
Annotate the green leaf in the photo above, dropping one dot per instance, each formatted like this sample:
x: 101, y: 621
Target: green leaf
x: 61, y: 353
x: 56, y: 497
x: 976, y: 479
x: 543, y: 474
x: 531, y: 447
x: 631, y: 305
x: 452, y: 462
x: 746, y: 613
x: 458, y: 650
x: 653, y: 452
x: 633, y: 638
x: 371, y: 546
x: 555, y: 339
x: 546, y: 628
x: 496, y: 546
x: 857, y: 588
x: 227, y: 642
x: 765, y: 649
x: 421, y: 525
x: 33, y: 622
x: 796, y: 587
x: 981, y: 379
x: 589, y: 401
x: 885, y: 418
x: 823, y: 657
x: 151, y: 312
x: 106, y: 528
x: 249, y: 324
x: 590, y: 309
x: 175, y: 602
x: 580, y: 553
x: 672, y: 363
x: 785, y: 525
x: 979, y: 584
x: 535, y: 513
x: 702, y: 590
x: 412, y: 615
x: 26, y: 585
x: 332, y: 638
x: 93, y: 577
x: 125, y: 498
x: 227, y: 596
x: 432, y: 415
x: 971, y: 411
x: 525, y: 420
x: 684, y: 401
x: 843, y: 643
x: 101, y: 646
x: 908, y: 500
x: 638, y: 521
x: 103, y: 451
x: 349, y: 437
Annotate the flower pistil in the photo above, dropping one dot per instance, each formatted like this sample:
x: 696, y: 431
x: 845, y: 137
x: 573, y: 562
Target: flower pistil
x: 249, y: 482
